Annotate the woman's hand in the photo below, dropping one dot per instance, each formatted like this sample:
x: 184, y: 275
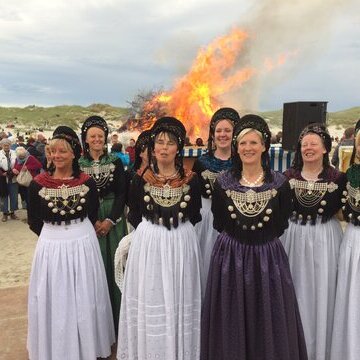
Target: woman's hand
x: 15, y: 171
x: 104, y: 227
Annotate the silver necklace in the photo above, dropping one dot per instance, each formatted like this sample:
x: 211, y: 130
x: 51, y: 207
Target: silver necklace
x: 167, y: 177
x: 254, y: 183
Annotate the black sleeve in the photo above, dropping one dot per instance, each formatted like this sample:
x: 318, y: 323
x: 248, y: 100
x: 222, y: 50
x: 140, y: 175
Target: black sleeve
x: 197, y: 168
x: 120, y: 190
x: 342, y: 186
x: 35, y: 220
x: 217, y: 207
x: 93, y: 201
x: 136, y: 194
x: 194, y: 211
x: 285, y: 206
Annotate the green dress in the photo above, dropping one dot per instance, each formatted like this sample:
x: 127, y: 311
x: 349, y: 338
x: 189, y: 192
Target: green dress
x: 109, y: 176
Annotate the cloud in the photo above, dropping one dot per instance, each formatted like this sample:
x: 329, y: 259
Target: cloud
x: 105, y: 51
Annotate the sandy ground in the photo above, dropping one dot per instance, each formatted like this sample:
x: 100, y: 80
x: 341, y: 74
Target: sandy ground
x: 18, y: 243
x: 17, y: 248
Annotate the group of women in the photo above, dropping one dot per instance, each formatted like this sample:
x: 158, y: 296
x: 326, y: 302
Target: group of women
x: 229, y: 260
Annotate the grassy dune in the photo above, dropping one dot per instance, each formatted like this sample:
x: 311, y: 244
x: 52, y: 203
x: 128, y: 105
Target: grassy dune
x: 46, y: 118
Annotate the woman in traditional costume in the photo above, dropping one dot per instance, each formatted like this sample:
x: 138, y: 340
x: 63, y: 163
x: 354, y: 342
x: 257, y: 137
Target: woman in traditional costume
x: 69, y: 310
x: 250, y: 309
x: 208, y: 167
x: 313, y: 238
x: 108, y: 172
x: 160, y: 311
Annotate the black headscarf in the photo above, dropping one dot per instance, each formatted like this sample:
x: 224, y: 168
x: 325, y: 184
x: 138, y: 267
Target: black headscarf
x: 225, y: 113
x: 320, y: 130
x: 93, y: 121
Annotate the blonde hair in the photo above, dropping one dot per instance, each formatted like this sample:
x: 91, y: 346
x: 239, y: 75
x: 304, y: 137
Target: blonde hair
x: 246, y: 131
x: 55, y: 142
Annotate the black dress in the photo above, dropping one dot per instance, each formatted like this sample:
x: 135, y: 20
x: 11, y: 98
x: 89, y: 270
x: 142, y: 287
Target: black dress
x: 250, y: 309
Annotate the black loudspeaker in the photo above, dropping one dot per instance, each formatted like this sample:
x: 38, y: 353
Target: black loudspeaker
x: 296, y: 115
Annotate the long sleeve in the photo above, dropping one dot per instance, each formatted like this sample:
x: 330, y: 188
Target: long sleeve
x: 93, y: 201
x: 194, y: 211
x: 285, y: 206
x: 135, y: 197
x: 34, y: 208
x: 217, y: 204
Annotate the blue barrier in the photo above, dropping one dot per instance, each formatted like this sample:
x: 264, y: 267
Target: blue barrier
x: 280, y: 159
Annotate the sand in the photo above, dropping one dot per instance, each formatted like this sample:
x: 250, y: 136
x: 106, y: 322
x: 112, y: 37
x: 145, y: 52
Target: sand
x: 17, y: 248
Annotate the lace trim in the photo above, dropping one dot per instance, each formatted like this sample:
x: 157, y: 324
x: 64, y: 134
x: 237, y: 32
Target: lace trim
x: 353, y: 197
x: 210, y: 176
x: 166, y: 196
x: 65, y: 199
x: 251, y: 203
x: 100, y: 173
x: 310, y: 193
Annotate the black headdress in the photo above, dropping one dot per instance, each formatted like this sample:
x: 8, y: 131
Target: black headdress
x: 141, y: 144
x: 225, y: 113
x: 174, y: 126
x: 255, y: 122
x: 69, y: 135
x: 320, y: 130
x: 93, y: 121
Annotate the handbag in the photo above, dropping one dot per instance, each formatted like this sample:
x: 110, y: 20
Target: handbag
x: 24, y: 177
x: 120, y: 259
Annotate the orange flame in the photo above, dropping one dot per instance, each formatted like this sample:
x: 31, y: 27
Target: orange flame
x: 196, y: 96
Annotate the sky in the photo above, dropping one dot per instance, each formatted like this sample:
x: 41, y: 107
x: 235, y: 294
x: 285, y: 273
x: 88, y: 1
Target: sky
x: 63, y: 52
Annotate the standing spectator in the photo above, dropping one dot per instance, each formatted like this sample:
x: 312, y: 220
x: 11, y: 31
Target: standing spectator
x: 31, y: 148
x: 114, y: 139
x: 160, y: 312
x: 19, y: 142
x: 312, y: 240
x: 199, y: 142
x: 69, y: 310
x: 40, y: 147
x: 131, y: 151
x: 345, y: 337
x: 25, y: 161
x: 250, y: 309
x: 347, y: 140
x: 109, y: 175
x: 9, y: 192
x: 208, y: 167
x: 117, y: 149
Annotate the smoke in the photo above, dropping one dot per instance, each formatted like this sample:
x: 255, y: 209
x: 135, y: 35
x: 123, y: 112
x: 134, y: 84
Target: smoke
x: 300, y: 28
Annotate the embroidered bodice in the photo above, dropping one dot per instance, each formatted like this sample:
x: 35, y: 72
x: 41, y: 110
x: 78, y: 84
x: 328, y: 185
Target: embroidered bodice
x: 164, y: 205
x: 208, y: 168
x: 103, y: 175
x: 58, y: 202
x: 109, y: 176
x: 251, y: 214
x: 314, y: 199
